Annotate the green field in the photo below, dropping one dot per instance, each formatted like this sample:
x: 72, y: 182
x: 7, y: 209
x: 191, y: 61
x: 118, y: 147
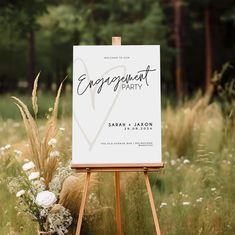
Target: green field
x: 194, y: 193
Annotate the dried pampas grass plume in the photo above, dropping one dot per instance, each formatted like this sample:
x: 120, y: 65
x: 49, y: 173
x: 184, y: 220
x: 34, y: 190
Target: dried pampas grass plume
x: 72, y: 190
x: 34, y: 96
x: 40, y: 149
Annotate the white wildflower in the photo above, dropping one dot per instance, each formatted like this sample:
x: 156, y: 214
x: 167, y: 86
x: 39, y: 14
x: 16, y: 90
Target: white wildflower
x: 52, y: 141
x: 199, y: 199
x: 163, y: 204
x: 173, y: 162
x: 28, y: 166
x: 50, y: 109
x: 8, y: 146
x: 186, y: 203
x: 39, y: 185
x: 34, y: 175
x: 45, y: 199
x: 93, y: 202
x: 186, y: 161
x: 213, y: 189
x: 20, y: 193
x: 219, y: 197
x: 54, y: 154
x: 2, y: 151
x: 17, y: 152
x: 62, y: 129
x: 60, y: 220
x: 55, y: 185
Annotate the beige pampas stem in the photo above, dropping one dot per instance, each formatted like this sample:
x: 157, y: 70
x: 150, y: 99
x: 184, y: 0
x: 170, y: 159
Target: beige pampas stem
x: 34, y: 96
x: 33, y: 136
x: 40, y: 149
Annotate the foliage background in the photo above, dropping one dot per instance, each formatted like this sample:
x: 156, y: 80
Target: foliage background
x: 38, y: 35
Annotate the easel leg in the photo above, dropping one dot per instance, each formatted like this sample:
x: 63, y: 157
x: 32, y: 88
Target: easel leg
x: 118, y: 203
x: 83, y: 203
x: 154, y: 212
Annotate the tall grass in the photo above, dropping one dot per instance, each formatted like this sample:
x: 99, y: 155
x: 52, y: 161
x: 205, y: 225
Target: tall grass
x: 194, y: 193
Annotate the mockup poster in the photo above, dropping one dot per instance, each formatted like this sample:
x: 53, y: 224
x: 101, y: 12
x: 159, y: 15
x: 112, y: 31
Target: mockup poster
x: 116, y: 105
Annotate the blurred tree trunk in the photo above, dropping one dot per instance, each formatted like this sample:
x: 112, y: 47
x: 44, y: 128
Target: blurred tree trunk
x: 208, y: 49
x: 31, y: 75
x: 178, y: 64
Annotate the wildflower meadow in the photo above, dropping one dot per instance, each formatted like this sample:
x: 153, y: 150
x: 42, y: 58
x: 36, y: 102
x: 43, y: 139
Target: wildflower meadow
x: 194, y: 193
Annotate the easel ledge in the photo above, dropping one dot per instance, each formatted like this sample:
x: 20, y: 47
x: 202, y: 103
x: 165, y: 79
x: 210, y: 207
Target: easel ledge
x: 117, y: 167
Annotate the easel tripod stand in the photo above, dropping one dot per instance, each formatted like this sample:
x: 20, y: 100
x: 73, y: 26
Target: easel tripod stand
x: 117, y: 168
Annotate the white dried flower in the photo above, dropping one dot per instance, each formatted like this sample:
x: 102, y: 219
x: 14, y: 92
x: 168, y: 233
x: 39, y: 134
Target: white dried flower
x: 186, y: 203
x: 34, y: 175
x: 93, y: 202
x: 173, y: 162
x: 59, y: 219
x: 52, y: 141
x: 7, y: 146
x: 28, y: 166
x: 56, y: 183
x: 54, y: 154
x: 62, y: 129
x: 39, y: 185
x: 199, y: 199
x: 20, y: 193
x: 163, y: 204
x: 186, y: 161
x: 213, y: 189
x: 219, y: 197
x: 45, y: 199
x: 17, y: 152
x: 2, y: 151
x: 50, y: 109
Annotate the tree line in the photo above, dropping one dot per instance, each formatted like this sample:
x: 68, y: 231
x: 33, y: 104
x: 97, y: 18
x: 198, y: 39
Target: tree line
x: 196, y: 36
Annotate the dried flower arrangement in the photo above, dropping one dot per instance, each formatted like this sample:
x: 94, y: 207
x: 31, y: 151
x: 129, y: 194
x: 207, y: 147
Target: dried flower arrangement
x: 43, y: 187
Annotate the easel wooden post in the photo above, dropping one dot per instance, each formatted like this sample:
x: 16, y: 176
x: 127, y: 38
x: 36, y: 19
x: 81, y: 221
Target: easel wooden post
x: 117, y: 168
x: 83, y: 202
x: 151, y: 199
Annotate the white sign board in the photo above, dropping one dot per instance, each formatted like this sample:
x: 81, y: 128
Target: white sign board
x: 116, y: 105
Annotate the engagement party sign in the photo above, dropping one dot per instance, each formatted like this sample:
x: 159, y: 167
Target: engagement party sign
x: 116, y: 105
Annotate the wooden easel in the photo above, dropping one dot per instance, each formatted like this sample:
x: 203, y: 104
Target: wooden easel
x: 117, y: 168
